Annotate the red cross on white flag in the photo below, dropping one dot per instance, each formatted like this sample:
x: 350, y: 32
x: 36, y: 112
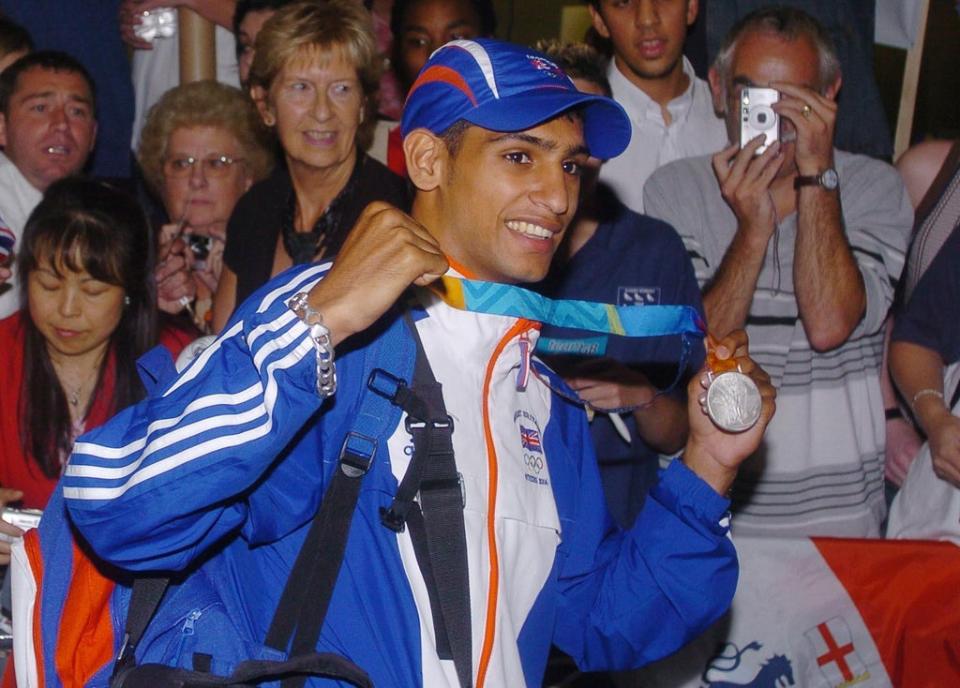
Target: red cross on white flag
x: 834, y: 651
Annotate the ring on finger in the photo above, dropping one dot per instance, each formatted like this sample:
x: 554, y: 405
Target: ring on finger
x: 806, y: 111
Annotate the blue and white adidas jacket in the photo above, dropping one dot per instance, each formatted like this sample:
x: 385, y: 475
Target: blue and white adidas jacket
x: 227, y: 463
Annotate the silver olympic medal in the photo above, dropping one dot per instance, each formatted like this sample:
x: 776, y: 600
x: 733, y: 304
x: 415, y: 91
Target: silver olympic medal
x: 733, y: 402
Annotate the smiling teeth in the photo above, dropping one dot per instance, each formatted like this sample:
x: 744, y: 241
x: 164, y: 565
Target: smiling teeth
x: 57, y: 149
x: 529, y: 229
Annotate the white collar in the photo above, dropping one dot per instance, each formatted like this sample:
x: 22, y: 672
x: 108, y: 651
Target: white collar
x: 642, y: 105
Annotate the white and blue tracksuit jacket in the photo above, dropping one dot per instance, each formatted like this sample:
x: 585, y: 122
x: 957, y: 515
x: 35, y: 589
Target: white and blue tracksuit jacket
x: 222, y: 469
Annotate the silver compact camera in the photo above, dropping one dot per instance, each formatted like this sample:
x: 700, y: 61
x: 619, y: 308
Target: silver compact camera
x: 24, y: 519
x: 758, y: 117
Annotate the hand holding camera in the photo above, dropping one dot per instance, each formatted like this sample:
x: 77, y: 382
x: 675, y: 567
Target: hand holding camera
x: 745, y: 177
x: 814, y: 117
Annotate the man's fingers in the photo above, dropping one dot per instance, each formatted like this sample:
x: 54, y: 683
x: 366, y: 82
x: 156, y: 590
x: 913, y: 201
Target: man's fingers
x: 434, y: 267
x: 746, y: 155
x: 722, y: 160
x: 806, y: 96
x: 770, y: 167
x: 731, y: 346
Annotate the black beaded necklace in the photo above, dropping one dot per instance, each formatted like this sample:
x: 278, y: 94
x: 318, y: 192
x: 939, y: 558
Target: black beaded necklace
x: 327, y: 234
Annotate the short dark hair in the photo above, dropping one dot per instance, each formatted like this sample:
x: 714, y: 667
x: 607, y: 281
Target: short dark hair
x: 51, y: 60
x: 452, y: 136
x: 579, y: 61
x: 245, y: 7
x: 483, y: 8
x: 13, y: 38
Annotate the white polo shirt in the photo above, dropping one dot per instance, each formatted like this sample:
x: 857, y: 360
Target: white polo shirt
x: 18, y: 198
x: 694, y: 130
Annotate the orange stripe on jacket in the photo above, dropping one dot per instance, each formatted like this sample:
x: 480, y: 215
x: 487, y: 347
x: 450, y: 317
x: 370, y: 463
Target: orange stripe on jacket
x: 85, y: 641
x: 906, y: 591
x: 31, y: 545
x: 490, y: 624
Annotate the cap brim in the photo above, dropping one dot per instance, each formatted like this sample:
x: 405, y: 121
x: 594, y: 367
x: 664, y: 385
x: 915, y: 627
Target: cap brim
x: 606, y: 127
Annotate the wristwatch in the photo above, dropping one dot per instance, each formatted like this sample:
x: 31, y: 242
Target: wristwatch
x: 828, y: 179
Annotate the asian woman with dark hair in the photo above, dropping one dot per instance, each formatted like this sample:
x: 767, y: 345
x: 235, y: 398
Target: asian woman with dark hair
x: 68, y: 359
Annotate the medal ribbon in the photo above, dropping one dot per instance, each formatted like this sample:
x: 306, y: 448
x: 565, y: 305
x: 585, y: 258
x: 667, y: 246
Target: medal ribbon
x: 627, y: 321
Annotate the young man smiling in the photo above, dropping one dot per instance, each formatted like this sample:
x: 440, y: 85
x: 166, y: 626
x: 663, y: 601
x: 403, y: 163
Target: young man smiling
x: 230, y: 452
x: 669, y: 107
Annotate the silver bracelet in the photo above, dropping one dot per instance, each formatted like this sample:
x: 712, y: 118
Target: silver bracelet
x: 925, y: 392
x: 320, y: 334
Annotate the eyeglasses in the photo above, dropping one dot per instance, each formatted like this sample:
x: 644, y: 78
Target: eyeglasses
x: 214, y: 166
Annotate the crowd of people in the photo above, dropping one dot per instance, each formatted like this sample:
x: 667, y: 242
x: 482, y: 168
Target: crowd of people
x: 329, y: 210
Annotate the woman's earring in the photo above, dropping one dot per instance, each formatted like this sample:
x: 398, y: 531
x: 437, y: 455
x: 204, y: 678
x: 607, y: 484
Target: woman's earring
x: 126, y: 300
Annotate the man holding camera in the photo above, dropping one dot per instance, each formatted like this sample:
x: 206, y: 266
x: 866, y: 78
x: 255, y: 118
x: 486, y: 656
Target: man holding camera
x: 800, y: 244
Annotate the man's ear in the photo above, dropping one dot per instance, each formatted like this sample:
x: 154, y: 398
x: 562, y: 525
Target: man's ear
x: 93, y: 136
x: 427, y: 157
x: 693, y: 8
x: 259, y: 96
x: 833, y: 89
x: 717, y: 92
x: 3, y: 130
x: 599, y: 25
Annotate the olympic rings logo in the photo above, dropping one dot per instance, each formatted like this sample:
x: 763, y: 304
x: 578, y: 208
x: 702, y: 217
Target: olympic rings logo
x: 533, y: 462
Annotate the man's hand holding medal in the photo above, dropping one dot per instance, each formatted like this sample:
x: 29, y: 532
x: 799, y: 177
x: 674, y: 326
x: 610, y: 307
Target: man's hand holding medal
x: 730, y: 403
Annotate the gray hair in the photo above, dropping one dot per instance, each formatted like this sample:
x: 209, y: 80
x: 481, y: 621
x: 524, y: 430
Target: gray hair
x: 789, y: 24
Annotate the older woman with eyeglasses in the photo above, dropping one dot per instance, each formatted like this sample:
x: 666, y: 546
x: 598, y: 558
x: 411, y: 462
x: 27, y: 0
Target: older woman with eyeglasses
x: 314, y: 80
x: 202, y: 147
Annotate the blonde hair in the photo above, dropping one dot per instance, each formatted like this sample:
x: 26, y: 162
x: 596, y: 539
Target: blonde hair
x: 204, y: 104
x: 328, y: 26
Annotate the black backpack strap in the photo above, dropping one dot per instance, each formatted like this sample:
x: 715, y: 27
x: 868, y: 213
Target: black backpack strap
x: 430, y: 501
x: 307, y: 594
x: 249, y: 673
x: 144, y: 600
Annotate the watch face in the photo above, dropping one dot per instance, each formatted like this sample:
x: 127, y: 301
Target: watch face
x: 830, y: 180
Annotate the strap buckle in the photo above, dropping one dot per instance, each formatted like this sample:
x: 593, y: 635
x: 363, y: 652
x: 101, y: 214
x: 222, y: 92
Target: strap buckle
x: 385, y: 384
x: 356, y: 454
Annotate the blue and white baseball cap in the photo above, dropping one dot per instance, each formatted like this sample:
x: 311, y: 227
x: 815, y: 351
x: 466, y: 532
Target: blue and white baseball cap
x: 505, y: 87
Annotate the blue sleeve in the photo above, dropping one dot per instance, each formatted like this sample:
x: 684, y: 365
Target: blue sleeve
x: 630, y: 597
x: 929, y: 319
x: 165, y: 479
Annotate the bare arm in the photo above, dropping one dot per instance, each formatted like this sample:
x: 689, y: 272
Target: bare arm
x: 745, y: 186
x: 224, y: 299
x: 830, y: 292
x: 919, y: 167
x: 606, y: 384
x: 663, y: 424
x: 902, y: 441
x: 915, y: 369
x: 831, y: 297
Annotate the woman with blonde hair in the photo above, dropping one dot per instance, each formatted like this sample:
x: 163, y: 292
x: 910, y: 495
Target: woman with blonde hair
x: 314, y: 80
